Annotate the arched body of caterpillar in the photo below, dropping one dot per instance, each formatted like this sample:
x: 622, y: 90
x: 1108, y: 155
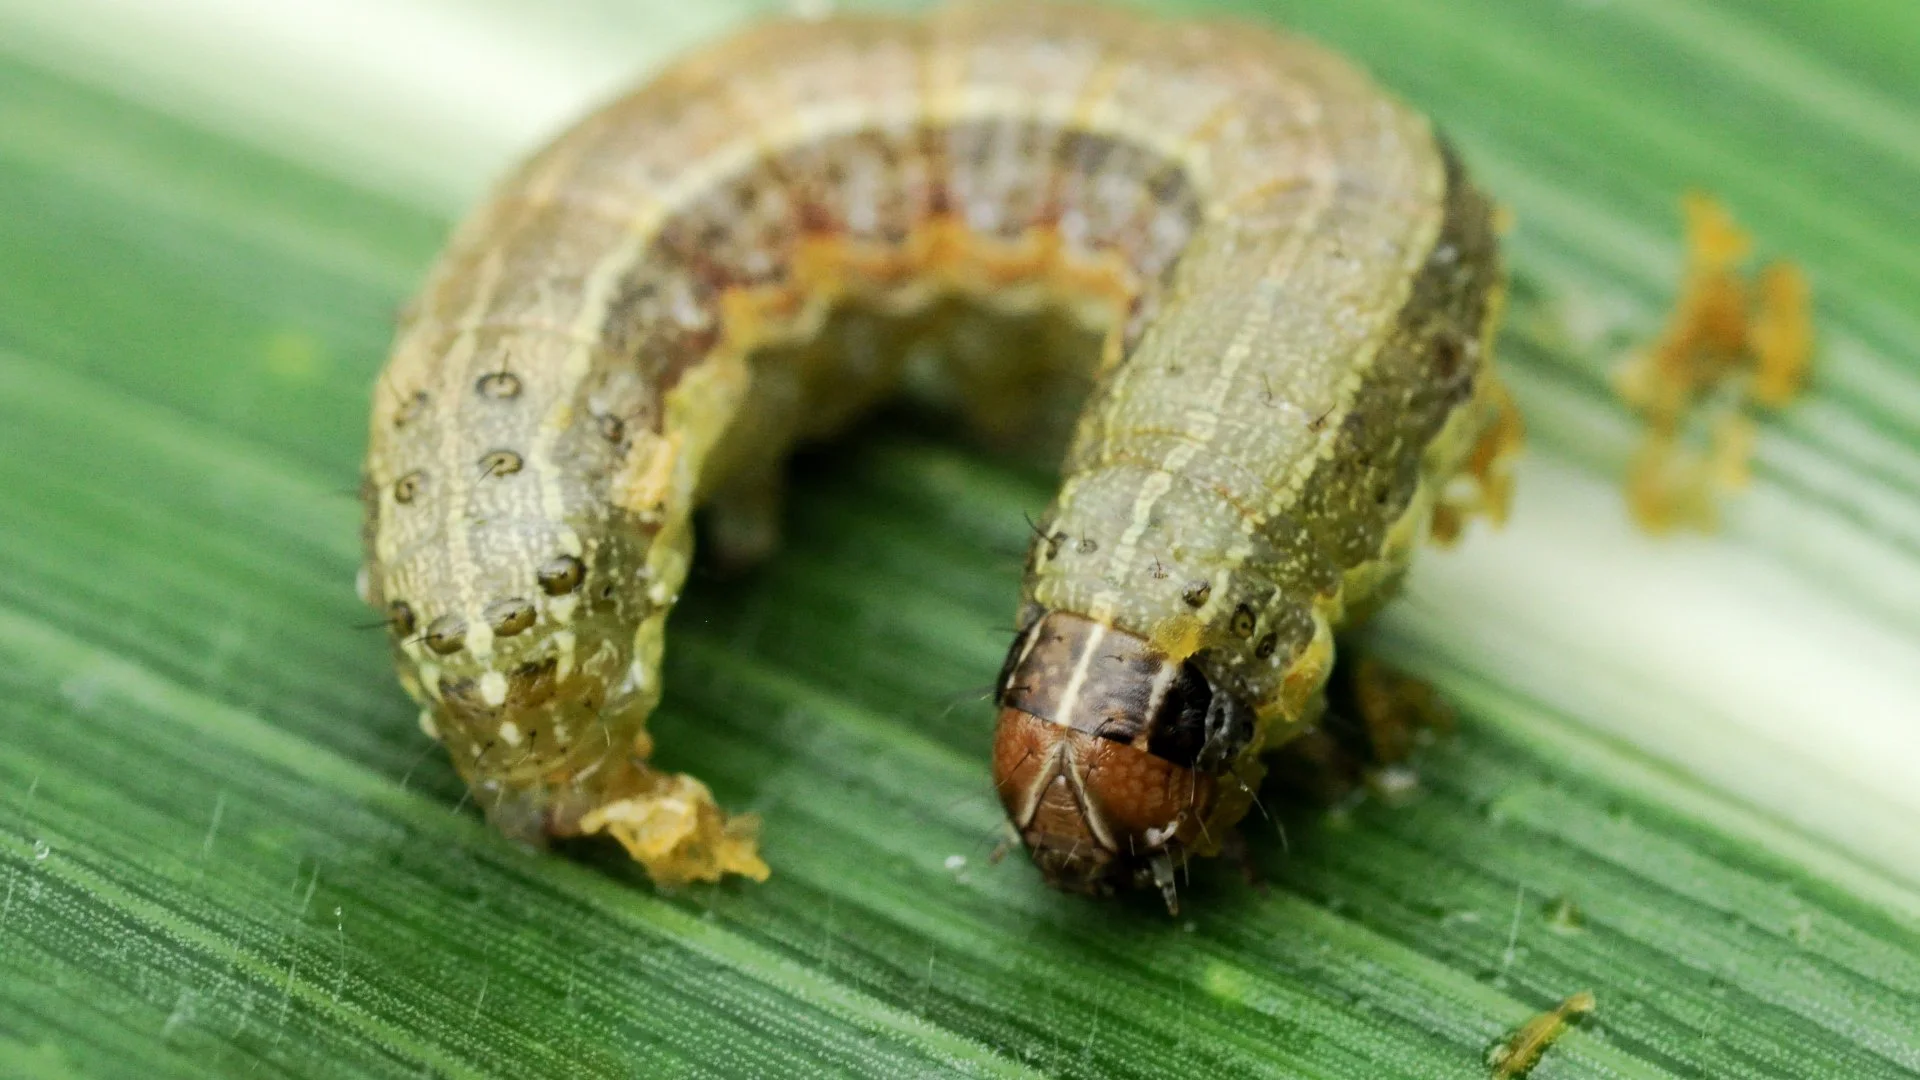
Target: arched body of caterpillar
x: 1293, y: 286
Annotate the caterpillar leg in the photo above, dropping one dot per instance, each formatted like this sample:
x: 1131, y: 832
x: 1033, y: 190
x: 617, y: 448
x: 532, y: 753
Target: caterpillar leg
x: 1236, y: 848
x: 1374, y: 721
x: 668, y: 822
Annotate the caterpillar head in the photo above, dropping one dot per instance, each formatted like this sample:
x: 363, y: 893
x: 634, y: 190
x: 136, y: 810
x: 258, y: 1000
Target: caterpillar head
x: 1109, y: 756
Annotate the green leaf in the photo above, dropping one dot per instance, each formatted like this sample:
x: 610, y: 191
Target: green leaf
x: 1682, y: 779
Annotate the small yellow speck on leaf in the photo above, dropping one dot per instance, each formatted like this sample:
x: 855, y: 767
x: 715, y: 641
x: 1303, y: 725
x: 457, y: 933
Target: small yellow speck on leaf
x: 293, y: 355
x: 1730, y: 345
x: 1782, y: 335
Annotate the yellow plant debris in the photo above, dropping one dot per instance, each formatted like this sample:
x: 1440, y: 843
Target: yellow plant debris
x: 1521, y: 1052
x: 1732, y: 345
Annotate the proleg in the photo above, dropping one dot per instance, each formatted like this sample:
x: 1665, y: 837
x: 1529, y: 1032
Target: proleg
x: 1286, y: 285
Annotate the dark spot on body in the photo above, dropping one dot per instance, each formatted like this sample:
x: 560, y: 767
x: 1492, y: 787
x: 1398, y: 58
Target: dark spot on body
x: 814, y: 217
x: 1196, y: 593
x: 939, y: 195
x: 612, y: 428
x: 410, y: 408
x: 408, y: 486
x: 561, y: 575
x: 462, y: 693
x: 498, y: 385
x: 510, y: 617
x: 1168, y: 184
x: 400, y: 618
x: 1449, y: 352
x: 1087, y: 545
x: 1179, y: 730
x: 532, y: 683
x: 1243, y: 622
x: 500, y: 463
x: 446, y: 634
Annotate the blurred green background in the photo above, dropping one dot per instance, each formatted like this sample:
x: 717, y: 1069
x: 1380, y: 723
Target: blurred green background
x: 1683, y: 778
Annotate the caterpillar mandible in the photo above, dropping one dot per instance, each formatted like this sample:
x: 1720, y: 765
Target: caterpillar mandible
x: 1292, y: 283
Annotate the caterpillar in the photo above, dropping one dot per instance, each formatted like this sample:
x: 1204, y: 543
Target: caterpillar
x: 1288, y: 285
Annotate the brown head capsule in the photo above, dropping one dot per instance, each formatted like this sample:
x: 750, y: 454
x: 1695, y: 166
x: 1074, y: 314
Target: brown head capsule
x: 1108, y: 754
